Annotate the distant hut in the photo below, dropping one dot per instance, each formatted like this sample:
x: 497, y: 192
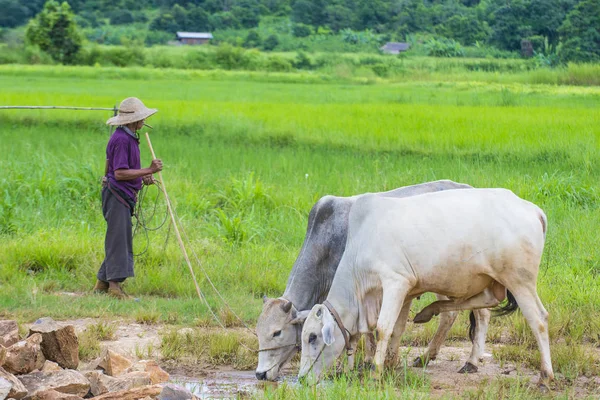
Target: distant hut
x: 394, y: 47
x: 193, y: 37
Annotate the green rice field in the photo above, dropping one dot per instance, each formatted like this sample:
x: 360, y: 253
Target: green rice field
x: 246, y: 155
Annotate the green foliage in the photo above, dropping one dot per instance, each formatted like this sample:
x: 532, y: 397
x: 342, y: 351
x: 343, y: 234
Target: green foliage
x: 301, y: 30
x: 55, y: 32
x: 580, y: 33
x: 303, y: 61
x: 466, y: 29
x: 444, y: 47
x: 270, y: 43
x: 252, y: 39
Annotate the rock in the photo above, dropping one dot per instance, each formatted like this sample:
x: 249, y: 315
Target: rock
x: 59, y: 343
x: 5, y: 388
x: 18, y: 391
x: 101, y: 383
x: 174, y: 392
x: 132, y: 394
x: 113, y: 363
x: 24, y: 356
x: 50, y: 366
x: 66, y: 381
x: 2, y: 355
x: 9, y: 333
x: 54, y: 395
x: 157, y: 374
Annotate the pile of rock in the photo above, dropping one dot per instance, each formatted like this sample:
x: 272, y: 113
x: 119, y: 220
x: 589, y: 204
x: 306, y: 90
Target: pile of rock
x: 44, y: 367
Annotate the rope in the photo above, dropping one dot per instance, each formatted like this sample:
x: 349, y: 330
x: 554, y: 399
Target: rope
x: 176, y: 222
x: 208, y: 277
x: 142, y: 219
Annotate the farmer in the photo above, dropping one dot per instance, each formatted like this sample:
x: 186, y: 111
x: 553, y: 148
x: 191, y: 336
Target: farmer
x: 120, y: 185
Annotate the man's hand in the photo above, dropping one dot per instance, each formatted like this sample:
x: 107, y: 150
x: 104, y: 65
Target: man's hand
x: 148, y: 180
x: 156, y: 166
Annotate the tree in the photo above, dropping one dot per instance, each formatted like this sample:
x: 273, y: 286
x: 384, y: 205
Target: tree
x: 180, y: 16
x: 466, y: 29
x: 164, y: 22
x: 120, y: 17
x: 198, y: 20
x: 338, y: 17
x: 270, y: 43
x: 252, y: 40
x: 13, y: 13
x: 302, y: 12
x: 580, y: 33
x: 55, y: 32
x: 301, y: 30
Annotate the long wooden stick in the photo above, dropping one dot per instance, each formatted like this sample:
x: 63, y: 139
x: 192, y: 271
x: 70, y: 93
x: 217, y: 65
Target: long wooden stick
x: 164, y: 189
x: 56, y: 108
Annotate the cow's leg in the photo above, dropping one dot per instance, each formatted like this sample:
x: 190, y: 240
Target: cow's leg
x: 370, y: 346
x: 392, y: 353
x: 482, y: 320
x: 446, y: 321
x: 537, y: 317
x: 350, y: 362
x: 394, y: 295
x: 485, y: 299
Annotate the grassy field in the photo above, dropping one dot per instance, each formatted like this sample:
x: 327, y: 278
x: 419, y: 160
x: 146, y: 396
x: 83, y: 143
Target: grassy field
x: 246, y: 155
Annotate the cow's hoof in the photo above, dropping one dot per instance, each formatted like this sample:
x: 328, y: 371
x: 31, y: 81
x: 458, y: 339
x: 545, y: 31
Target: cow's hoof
x: 468, y: 368
x: 418, y: 362
x: 423, y: 316
x: 543, y: 388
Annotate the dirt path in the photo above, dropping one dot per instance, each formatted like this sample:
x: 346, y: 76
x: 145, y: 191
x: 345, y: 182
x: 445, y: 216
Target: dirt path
x: 143, y: 341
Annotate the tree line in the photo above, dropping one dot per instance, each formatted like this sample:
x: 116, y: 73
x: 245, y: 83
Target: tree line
x: 571, y: 27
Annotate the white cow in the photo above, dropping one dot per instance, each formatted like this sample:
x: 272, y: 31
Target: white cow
x: 469, y: 245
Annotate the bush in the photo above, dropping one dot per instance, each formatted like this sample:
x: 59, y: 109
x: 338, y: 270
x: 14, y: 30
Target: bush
x: 301, y: 30
x: 229, y: 57
x: 252, y: 40
x: 278, y: 64
x: 444, y: 48
x: 123, y: 56
x: 381, y: 70
x: 120, y: 17
x: 302, y: 61
x: 271, y: 43
x: 197, y: 60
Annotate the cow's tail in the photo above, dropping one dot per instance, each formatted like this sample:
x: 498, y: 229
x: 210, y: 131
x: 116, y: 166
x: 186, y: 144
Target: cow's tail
x: 509, y: 307
x: 472, y: 326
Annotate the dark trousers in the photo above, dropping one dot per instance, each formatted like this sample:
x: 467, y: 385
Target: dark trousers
x: 118, y: 243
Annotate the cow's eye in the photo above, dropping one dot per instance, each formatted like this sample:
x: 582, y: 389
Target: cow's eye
x: 276, y: 334
x: 312, y: 338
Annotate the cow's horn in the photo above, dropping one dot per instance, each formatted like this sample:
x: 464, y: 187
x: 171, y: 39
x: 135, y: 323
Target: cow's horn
x: 286, y: 307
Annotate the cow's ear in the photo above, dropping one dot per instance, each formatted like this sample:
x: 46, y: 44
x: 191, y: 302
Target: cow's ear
x: 300, y: 317
x: 328, y: 329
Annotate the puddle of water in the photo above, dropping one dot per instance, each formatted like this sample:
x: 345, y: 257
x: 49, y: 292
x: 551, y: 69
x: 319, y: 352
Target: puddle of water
x: 222, y: 385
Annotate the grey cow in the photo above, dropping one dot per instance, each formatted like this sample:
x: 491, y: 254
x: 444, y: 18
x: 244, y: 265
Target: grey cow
x: 280, y: 324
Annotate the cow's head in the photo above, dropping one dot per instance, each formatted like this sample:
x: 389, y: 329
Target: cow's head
x: 322, y: 343
x: 278, y: 329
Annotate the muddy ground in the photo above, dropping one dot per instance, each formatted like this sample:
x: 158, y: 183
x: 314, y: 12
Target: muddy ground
x: 209, y: 381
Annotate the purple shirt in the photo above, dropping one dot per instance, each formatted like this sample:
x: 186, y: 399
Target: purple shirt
x: 123, y: 152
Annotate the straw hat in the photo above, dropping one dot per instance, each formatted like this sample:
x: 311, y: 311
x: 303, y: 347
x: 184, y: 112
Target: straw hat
x: 131, y: 110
